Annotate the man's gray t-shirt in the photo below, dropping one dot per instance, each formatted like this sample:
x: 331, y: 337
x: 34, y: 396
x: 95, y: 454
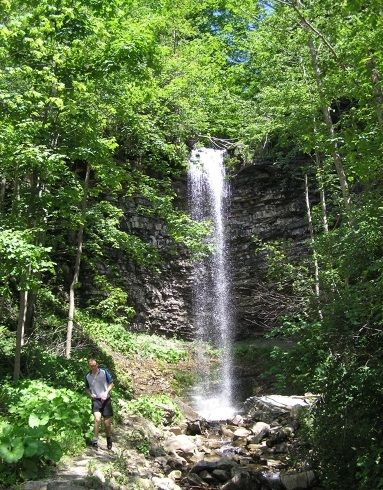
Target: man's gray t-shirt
x: 99, y: 382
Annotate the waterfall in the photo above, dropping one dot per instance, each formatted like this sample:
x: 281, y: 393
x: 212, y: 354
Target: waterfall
x: 208, y: 194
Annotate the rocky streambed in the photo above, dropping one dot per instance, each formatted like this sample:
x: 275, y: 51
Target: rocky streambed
x: 252, y: 451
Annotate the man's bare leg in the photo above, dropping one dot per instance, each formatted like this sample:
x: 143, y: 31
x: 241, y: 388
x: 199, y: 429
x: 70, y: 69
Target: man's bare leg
x: 96, y: 428
x: 108, y: 431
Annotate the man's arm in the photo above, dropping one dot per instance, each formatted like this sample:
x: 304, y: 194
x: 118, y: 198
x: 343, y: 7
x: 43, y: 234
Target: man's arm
x: 109, y: 380
x: 87, y: 388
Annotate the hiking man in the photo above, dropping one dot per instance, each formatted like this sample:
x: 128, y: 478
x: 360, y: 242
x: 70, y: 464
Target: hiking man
x: 98, y: 383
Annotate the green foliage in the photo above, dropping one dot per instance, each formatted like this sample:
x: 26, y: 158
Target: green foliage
x: 136, y: 439
x: 21, y: 259
x: 352, y: 408
x: 121, y: 340
x: 41, y: 424
x: 182, y: 381
x: 155, y: 407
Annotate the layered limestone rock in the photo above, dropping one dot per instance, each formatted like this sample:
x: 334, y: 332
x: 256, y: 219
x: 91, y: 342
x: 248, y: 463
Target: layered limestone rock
x: 267, y: 202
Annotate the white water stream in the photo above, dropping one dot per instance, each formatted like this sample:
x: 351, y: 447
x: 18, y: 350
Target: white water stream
x: 208, y: 194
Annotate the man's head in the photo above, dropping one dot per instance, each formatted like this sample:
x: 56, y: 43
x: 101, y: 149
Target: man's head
x: 93, y: 364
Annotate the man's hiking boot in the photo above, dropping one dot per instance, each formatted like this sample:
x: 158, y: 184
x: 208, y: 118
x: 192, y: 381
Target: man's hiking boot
x: 94, y: 444
x: 109, y: 443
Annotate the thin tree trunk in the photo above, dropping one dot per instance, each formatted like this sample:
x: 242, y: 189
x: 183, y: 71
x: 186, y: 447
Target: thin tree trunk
x: 377, y: 89
x: 72, y: 298
x: 312, y: 240
x: 23, y: 305
x: 2, y: 192
x: 322, y: 196
x: 330, y: 128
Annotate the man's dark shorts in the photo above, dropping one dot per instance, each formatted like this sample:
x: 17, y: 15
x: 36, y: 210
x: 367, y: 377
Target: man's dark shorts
x: 103, y: 406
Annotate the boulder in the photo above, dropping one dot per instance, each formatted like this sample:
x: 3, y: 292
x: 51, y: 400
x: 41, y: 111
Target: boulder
x: 182, y: 442
x: 297, y: 481
x: 221, y: 475
x: 220, y: 464
x: 273, y: 407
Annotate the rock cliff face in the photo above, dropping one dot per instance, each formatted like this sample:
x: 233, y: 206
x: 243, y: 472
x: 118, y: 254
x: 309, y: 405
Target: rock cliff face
x: 267, y: 202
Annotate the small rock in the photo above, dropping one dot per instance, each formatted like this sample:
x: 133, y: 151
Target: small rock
x: 240, y: 442
x: 206, y: 476
x: 175, y: 430
x: 221, y: 464
x: 226, y: 432
x: 195, y: 427
x: 175, y: 475
x: 259, y: 430
x: 165, y: 484
x: 237, y: 420
x: 242, y: 432
x: 157, y: 451
x: 174, y: 463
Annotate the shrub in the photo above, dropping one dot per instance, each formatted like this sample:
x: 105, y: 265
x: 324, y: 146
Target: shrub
x: 41, y: 424
x: 154, y: 408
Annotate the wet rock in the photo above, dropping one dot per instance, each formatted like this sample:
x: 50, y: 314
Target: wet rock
x: 220, y: 464
x: 194, y: 479
x: 275, y: 463
x: 259, y: 430
x: 296, y: 481
x: 280, y: 435
x: 221, y: 475
x: 237, y: 420
x: 207, y: 477
x: 241, y: 442
x: 227, y: 432
x: 242, y: 432
x: 240, y: 481
x: 195, y: 427
x: 270, y: 480
x: 187, y: 411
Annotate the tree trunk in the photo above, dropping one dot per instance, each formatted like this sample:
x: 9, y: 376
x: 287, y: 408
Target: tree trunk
x: 23, y: 305
x: 322, y: 196
x: 377, y: 89
x: 76, y: 273
x: 312, y: 240
x: 330, y: 128
x: 2, y: 192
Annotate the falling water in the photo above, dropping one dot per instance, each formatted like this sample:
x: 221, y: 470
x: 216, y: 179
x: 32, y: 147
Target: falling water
x: 208, y: 193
